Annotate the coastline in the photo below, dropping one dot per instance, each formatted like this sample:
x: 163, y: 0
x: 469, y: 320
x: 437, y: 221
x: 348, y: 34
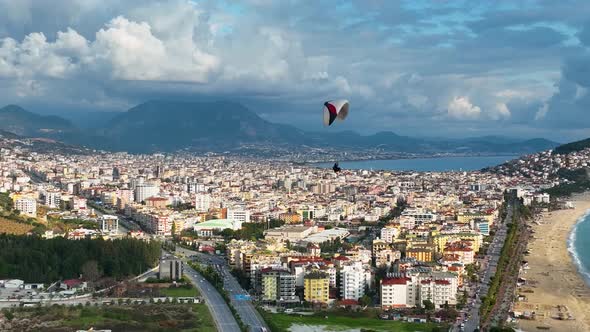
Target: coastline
x: 426, y: 156
x: 553, y: 277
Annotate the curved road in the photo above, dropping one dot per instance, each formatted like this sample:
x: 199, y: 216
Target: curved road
x: 246, y: 310
x: 224, y: 319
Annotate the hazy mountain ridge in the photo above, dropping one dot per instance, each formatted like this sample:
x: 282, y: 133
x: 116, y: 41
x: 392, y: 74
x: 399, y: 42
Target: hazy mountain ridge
x: 12, y: 141
x: 19, y: 121
x: 169, y: 126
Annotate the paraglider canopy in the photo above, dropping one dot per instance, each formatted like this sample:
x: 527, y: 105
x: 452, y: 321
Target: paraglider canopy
x: 335, y: 109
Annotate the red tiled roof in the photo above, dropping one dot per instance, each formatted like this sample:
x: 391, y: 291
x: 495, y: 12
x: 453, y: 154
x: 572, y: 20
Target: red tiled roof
x: 156, y: 199
x: 394, y: 281
x: 72, y: 282
x: 442, y: 282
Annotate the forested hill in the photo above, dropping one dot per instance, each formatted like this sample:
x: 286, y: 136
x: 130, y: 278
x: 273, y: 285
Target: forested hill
x: 572, y: 147
x: 34, y: 259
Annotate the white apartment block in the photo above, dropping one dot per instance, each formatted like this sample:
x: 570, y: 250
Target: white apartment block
x: 195, y: 187
x: 52, y: 199
x: 26, y: 205
x: 202, y: 202
x: 353, y: 281
x: 145, y: 191
x: 388, y: 234
x: 420, y: 216
x: 241, y: 215
x: 438, y: 291
x: 409, y: 290
x: 438, y: 287
x: 398, y: 293
x: 109, y: 224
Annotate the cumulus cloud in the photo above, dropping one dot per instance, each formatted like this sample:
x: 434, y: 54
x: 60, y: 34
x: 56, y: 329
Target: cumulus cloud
x: 501, y: 111
x: 462, y: 109
x: 404, y: 68
x: 542, y: 111
x: 124, y: 49
x: 568, y: 108
x: 132, y: 52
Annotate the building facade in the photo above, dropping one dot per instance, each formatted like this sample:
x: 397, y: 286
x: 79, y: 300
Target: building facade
x: 26, y: 205
x: 170, y: 268
x: 108, y: 224
x: 316, y: 287
x: 278, y: 285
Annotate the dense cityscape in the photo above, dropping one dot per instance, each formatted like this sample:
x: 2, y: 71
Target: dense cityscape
x: 294, y: 166
x: 417, y: 246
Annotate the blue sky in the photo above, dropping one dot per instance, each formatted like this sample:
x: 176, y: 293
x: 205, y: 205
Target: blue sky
x: 418, y: 68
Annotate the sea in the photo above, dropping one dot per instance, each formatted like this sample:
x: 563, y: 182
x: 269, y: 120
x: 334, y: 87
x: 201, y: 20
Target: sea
x: 579, y: 246
x: 439, y: 164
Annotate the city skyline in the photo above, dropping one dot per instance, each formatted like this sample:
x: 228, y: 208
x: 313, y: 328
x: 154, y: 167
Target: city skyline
x: 421, y: 69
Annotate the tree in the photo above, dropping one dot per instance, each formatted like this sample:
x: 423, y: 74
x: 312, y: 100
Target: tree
x: 428, y: 305
x: 90, y: 271
x: 227, y: 233
x: 365, y: 300
x: 8, y: 314
x: 34, y: 259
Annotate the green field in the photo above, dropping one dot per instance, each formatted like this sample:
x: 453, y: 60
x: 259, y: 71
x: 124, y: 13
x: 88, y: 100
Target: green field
x: 179, y: 292
x: 336, y: 322
x: 159, y: 317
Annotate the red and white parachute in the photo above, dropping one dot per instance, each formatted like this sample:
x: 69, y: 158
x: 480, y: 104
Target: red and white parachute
x: 335, y: 109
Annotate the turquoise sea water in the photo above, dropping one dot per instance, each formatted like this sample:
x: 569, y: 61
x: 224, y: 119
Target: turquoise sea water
x: 579, y: 246
x: 425, y: 164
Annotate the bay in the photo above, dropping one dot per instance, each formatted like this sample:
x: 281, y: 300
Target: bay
x: 440, y: 164
x: 579, y: 246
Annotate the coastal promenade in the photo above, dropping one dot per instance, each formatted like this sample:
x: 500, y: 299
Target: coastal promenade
x: 493, y: 254
x: 552, y: 278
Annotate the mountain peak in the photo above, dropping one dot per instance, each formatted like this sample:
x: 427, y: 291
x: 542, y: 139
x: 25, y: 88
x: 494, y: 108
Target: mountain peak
x: 17, y: 120
x: 13, y: 108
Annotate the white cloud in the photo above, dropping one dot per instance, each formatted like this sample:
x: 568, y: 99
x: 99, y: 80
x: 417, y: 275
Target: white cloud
x: 109, y: 52
x: 461, y: 108
x: 34, y: 56
x: 542, y: 112
x: 134, y: 53
x: 512, y: 94
x: 123, y: 49
x: 500, y: 111
x: 580, y: 91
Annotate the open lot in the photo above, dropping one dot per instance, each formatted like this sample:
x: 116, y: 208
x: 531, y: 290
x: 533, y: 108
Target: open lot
x: 340, y: 322
x: 179, y: 292
x: 159, y: 317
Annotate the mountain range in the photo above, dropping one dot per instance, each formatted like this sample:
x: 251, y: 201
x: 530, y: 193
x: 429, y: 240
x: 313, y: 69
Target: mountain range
x: 167, y: 126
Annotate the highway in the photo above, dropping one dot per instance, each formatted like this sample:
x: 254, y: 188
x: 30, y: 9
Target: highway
x: 489, y: 269
x: 246, y: 310
x: 222, y: 316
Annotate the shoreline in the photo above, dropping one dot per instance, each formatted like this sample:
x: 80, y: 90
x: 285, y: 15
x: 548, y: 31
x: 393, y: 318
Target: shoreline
x: 582, y: 271
x: 315, y: 163
x: 554, y: 277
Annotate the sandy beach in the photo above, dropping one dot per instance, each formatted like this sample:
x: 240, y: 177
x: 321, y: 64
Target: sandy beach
x: 553, y: 279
